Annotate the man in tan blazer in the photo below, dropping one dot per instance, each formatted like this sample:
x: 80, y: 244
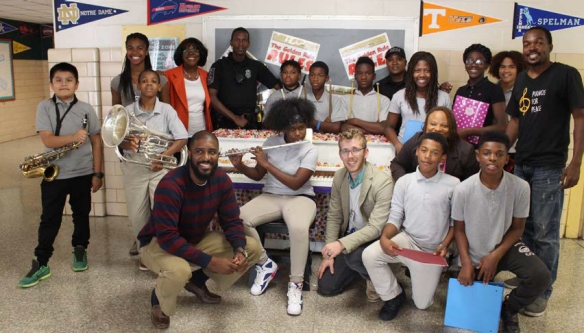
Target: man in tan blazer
x: 358, y: 211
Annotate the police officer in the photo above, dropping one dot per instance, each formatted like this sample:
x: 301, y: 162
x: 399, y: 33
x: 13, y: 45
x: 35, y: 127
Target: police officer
x: 232, y: 84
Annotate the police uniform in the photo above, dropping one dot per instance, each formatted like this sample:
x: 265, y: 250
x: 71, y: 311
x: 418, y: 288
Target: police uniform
x: 236, y: 83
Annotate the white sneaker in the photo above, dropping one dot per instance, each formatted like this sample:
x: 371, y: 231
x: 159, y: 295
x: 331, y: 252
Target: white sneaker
x: 294, y: 298
x: 264, y: 274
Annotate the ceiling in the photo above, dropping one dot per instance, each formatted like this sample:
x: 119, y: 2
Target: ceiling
x: 34, y: 11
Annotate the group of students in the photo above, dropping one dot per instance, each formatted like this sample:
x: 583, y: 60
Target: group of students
x: 443, y: 191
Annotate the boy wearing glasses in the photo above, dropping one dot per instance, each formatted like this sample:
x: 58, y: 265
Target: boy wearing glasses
x: 419, y: 220
x: 358, y: 209
x: 330, y: 109
x: 367, y: 109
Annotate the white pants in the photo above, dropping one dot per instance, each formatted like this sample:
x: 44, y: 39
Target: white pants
x: 424, y: 277
x: 140, y: 184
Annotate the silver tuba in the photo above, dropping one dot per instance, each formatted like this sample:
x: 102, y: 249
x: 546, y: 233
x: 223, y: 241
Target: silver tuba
x: 122, y: 125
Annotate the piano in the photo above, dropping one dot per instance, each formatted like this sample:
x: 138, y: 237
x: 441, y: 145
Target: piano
x: 381, y: 153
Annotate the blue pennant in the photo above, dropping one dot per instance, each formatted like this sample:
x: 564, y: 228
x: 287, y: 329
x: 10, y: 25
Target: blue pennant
x: 70, y: 14
x: 160, y: 11
x: 526, y: 17
x: 6, y: 28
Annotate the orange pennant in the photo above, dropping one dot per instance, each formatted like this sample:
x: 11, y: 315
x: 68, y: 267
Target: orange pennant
x: 437, y: 18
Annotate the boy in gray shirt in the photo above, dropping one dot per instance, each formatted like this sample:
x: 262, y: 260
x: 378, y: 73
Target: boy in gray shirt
x: 419, y: 219
x: 489, y: 211
x: 63, y: 120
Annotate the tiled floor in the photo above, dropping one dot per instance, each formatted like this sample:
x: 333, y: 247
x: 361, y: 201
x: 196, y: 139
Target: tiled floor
x: 113, y: 295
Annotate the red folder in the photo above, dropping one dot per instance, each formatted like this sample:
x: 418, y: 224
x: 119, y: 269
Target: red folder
x: 421, y: 256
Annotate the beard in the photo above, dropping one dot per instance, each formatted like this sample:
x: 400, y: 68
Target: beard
x: 203, y: 175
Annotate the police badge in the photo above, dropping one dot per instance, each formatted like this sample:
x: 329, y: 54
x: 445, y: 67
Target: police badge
x: 247, y: 73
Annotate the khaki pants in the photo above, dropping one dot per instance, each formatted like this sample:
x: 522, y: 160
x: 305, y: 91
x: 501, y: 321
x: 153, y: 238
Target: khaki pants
x: 298, y: 213
x: 140, y: 184
x: 174, y: 272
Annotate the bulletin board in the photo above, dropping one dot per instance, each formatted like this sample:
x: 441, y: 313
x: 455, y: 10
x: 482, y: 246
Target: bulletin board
x: 6, y: 71
x: 334, y: 40
x: 163, y: 39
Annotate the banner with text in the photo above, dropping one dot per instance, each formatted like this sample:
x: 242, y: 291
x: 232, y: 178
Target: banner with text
x: 70, y: 14
x: 160, y: 11
x: 525, y: 17
x: 437, y: 18
x: 374, y: 48
x: 284, y: 47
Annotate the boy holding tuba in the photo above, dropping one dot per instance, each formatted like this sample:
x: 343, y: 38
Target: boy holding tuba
x: 63, y: 120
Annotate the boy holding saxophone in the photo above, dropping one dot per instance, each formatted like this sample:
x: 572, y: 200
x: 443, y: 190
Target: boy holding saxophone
x: 63, y: 121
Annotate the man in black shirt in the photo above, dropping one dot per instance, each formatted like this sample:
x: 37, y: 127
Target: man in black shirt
x: 396, y: 66
x: 232, y: 83
x: 543, y: 99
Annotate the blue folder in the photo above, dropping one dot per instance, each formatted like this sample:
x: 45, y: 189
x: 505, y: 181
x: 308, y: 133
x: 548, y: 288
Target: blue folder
x: 476, y: 308
x: 412, y: 127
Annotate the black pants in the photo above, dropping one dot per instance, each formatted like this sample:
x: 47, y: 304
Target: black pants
x: 347, y: 266
x: 53, y: 196
x: 223, y: 122
x: 533, y: 274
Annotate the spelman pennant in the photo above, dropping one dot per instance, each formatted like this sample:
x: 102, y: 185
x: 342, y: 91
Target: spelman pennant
x: 160, y: 11
x: 435, y: 18
x: 526, y: 17
x: 70, y: 14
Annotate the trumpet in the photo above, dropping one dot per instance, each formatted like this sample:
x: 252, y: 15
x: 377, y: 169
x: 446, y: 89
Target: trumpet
x: 39, y: 165
x: 122, y: 125
x: 307, y: 139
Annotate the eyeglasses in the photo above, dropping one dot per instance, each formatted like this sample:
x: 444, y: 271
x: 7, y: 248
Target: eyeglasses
x: 191, y: 50
x: 478, y: 62
x: 354, y: 150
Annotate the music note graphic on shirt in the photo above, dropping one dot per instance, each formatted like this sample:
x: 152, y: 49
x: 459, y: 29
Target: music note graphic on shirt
x: 524, y: 103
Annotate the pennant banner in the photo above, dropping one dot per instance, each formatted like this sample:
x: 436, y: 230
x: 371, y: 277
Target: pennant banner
x: 160, y: 11
x: 526, y: 17
x: 26, y: 29
x: 437, y: 18
x: 47, y: 30
x: 73, y: 14
x: 17, y: 47
x: 6, y: 28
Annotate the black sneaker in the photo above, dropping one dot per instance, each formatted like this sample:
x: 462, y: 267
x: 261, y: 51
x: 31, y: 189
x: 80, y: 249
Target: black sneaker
x: 509, y: 318
x: 390, y: 308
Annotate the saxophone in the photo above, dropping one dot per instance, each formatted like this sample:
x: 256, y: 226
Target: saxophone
x: 39, y: 165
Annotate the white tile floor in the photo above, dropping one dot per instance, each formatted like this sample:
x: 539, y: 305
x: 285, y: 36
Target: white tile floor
x: 113, y: 295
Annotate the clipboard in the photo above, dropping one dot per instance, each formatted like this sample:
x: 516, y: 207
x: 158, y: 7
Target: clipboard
x: 421, y: 256
x: 476, y: 308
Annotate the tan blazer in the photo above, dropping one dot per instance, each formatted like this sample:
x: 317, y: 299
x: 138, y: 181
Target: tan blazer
x: 374, y: 202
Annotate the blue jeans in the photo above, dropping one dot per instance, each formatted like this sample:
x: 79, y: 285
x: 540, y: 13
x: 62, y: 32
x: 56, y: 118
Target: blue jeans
x: 542, y: 228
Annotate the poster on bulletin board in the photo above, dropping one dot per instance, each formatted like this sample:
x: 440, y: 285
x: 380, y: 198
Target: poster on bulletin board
x: 6, y: 71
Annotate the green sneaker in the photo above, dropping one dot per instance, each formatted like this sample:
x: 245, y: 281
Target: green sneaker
x: 79, y: 259
x: 36, y: 274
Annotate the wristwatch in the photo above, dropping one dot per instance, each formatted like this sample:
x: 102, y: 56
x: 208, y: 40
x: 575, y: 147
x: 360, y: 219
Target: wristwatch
x: 242, y: 251
x: 98, y: 175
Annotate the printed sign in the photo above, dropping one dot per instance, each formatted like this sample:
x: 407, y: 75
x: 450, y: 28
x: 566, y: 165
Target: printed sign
x: 17, y: 47
x: 160, y: 11
x: 162, y: 52
x: 374, y: 48
x: 6, y: 28
x: 437, y: 18
x: 70, y: 14
x: 284, y: 47
x: 525, y: 17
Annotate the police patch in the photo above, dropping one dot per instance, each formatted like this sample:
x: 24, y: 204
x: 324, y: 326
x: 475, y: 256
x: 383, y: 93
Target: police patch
x: 211, y: 76
x: 247, y: 73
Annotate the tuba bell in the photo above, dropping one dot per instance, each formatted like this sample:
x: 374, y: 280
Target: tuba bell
x: 122, y: 125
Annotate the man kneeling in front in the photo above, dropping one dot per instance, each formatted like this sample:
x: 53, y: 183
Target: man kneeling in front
x: 176, y: 237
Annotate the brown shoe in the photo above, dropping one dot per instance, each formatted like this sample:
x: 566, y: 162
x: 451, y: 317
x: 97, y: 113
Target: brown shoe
x: 159, y: 319
x: 203, y: 294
